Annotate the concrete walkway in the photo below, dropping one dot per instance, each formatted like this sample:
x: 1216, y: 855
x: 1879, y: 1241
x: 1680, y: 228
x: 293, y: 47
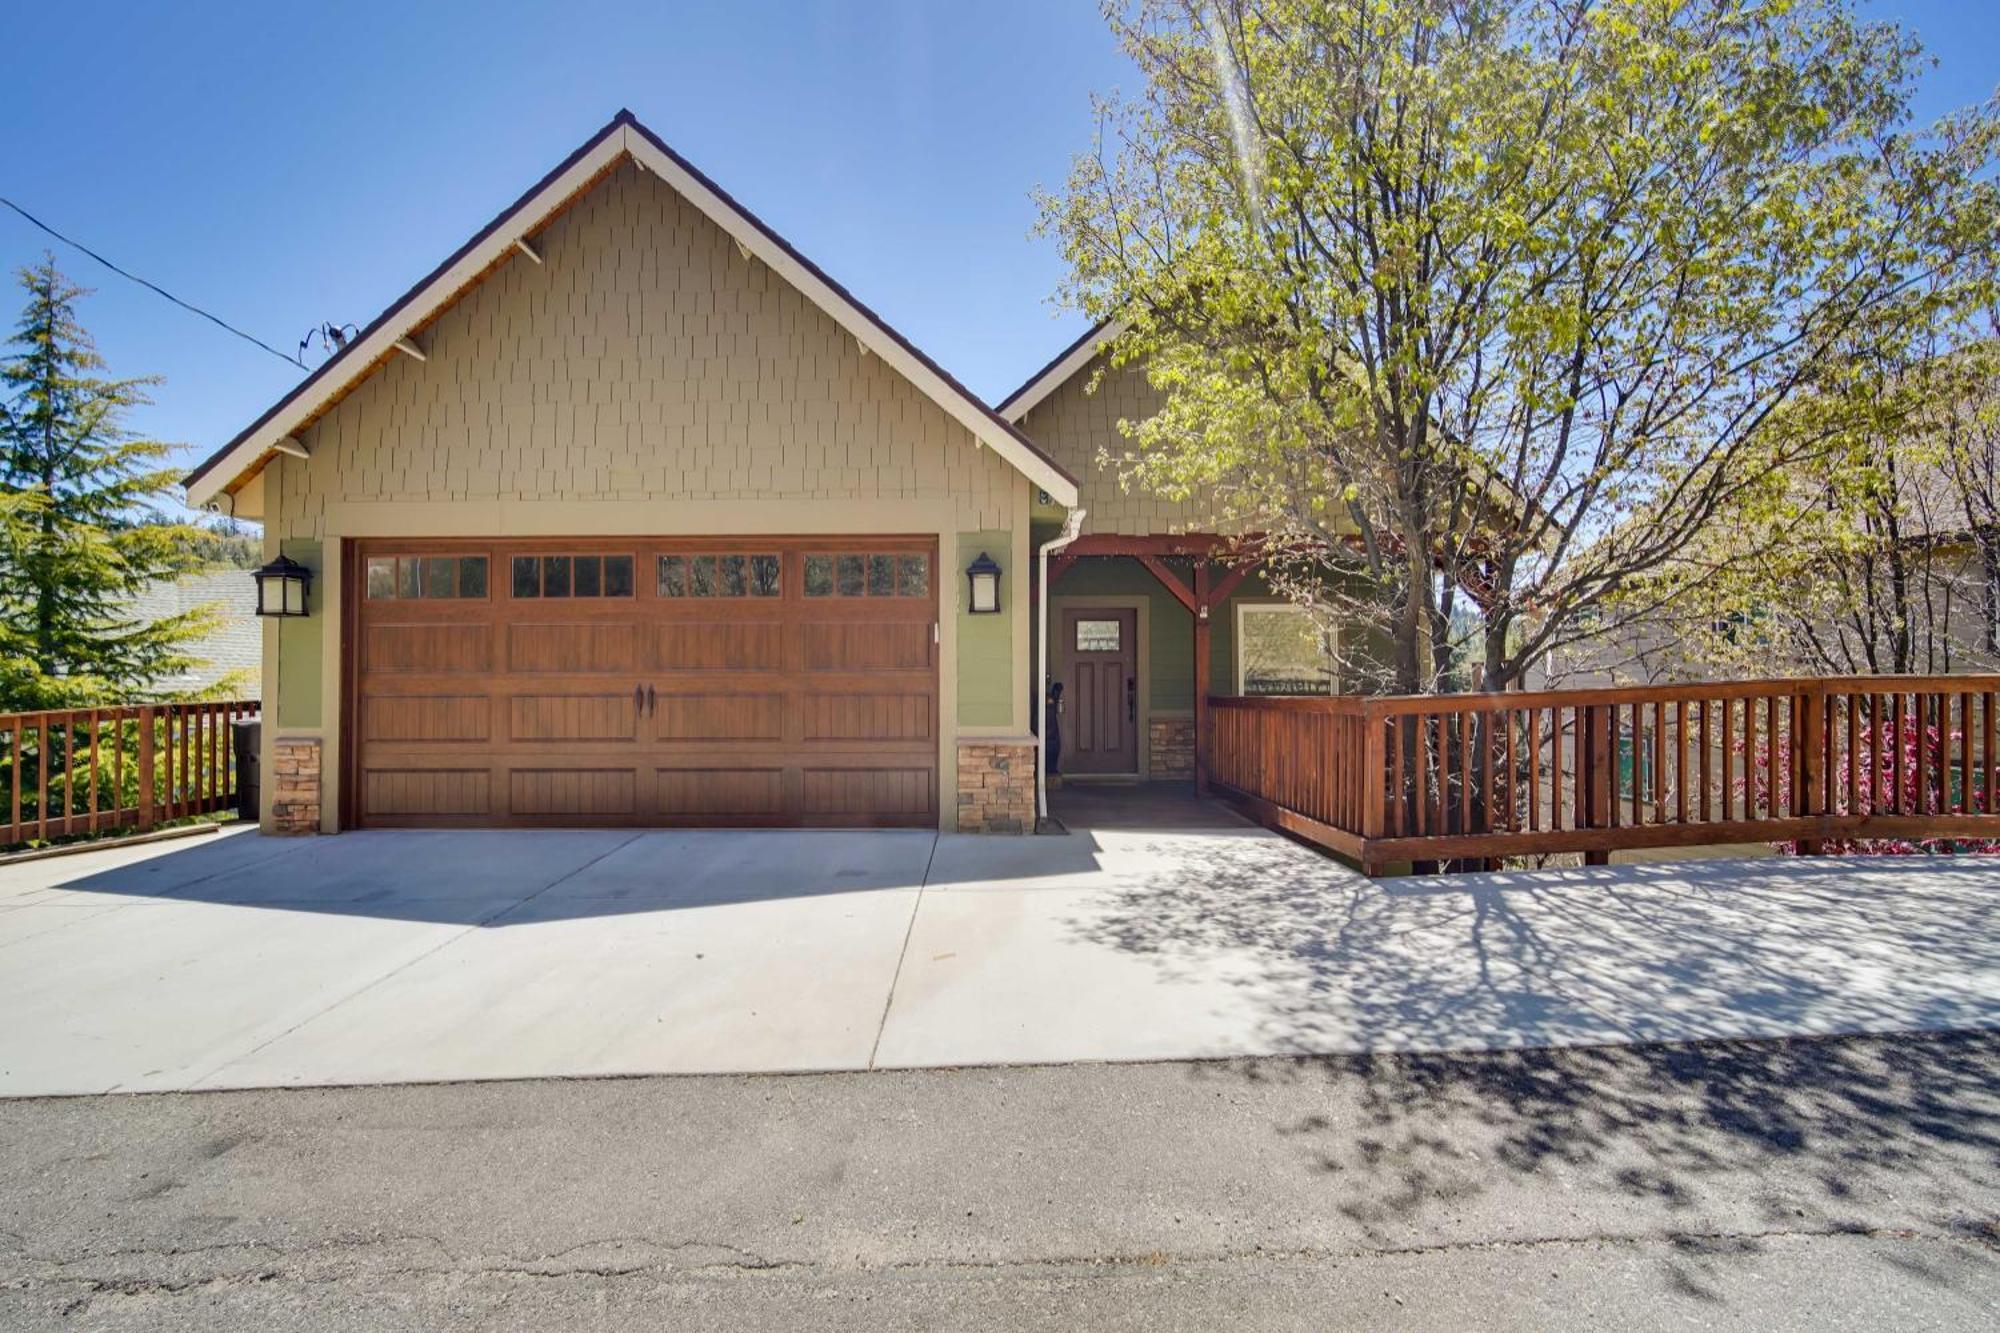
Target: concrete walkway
x: 240, y: 961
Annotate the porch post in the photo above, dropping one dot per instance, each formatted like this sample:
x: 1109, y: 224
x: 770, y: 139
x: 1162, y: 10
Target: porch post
x: 1201, y: 681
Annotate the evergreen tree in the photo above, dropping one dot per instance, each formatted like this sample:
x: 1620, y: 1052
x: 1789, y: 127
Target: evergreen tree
x: 79, y: 518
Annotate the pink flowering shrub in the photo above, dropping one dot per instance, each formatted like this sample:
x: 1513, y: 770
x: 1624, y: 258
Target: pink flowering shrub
x: 1878, y: 780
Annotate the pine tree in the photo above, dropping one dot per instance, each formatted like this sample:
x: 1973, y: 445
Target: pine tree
x: 79, y: 518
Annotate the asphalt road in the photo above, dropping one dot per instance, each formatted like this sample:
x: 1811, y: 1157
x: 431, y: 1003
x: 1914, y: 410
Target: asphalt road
x: 1808, y: 1184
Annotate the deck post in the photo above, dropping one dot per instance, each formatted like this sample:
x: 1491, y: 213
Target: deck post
x: 145, y: 768
x: 1374, y: 789
x: 1201, y: 681
x: 1809, y: 767
x: 1597, y: 782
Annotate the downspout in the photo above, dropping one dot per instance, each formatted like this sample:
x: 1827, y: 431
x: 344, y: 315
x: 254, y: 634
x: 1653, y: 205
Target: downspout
x: 1072, y: 526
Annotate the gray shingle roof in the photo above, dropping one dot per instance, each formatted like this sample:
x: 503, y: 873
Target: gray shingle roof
x: 237, y: 645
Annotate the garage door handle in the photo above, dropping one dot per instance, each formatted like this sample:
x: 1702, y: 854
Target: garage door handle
x: 652, y: 702
x: 639, y: 698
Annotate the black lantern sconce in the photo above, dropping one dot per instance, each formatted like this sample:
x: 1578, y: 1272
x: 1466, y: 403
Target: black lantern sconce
x: 982, y: 579
x: 281, y: 587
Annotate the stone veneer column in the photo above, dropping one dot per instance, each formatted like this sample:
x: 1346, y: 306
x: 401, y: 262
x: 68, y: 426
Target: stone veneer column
x: 295, y: 785
x: 996, y: 785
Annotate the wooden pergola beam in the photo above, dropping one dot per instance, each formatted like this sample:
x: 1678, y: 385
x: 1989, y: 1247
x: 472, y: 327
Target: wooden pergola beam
x: 1173, y: 584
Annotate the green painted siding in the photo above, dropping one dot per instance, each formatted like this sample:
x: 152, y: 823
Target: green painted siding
x: 300, y: 643
x: 986, y: 643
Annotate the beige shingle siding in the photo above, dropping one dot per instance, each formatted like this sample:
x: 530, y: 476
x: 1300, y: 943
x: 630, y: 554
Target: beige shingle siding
x: 1080, y: 429
x: 646, y: 359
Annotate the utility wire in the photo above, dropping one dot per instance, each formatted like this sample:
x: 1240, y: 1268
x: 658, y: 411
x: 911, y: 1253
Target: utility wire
x: 155, y: 287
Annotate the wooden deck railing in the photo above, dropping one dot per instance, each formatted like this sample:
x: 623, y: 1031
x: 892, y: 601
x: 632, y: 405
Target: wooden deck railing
x: 90, y: 770
x: 1474, y: 777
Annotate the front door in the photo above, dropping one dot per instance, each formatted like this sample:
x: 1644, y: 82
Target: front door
x: 1101, y: 691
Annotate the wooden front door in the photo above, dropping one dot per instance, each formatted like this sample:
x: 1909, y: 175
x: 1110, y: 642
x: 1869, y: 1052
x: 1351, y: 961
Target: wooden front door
x: 734, y: 681
x: 1100, y: 691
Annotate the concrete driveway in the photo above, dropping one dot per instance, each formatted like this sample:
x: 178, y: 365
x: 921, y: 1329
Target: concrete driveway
x: 241, y: 961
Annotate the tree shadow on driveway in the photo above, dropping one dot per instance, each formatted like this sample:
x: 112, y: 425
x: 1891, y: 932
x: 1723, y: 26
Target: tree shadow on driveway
x: 1332, y: 962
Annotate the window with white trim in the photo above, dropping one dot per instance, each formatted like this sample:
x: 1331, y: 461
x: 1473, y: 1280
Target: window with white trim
x: 1280, y: 649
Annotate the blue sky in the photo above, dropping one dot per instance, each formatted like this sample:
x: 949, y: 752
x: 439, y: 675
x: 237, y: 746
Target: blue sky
x: 287, y: 164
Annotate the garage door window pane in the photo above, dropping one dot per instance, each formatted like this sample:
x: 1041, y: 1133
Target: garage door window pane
x: 852, y: 573
x: 589, y: 575
x: 555, y: 576
x: 527, y: 576
x: 472, y: 576
x: 381, y: 576
x: 764, y: 575
x: 440, y: 576
x: 673, y: 576
x: 913, y: 576
x: 881, y: 576
x: 819, y: 576
x: 406, y: 577
x: 701, y: 580
x: 617, y: 576
x: 735, y: 576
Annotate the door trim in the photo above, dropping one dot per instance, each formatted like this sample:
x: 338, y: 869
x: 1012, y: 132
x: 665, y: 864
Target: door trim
x: 1142, y: 628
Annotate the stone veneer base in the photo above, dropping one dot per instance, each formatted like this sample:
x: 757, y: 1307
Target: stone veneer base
x: 1170, y: 747
x: 295, y: 784
x: 996, y: 785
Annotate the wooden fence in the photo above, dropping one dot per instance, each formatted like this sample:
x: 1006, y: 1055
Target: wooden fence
x: 1474, y: 777
x: 90, y: 770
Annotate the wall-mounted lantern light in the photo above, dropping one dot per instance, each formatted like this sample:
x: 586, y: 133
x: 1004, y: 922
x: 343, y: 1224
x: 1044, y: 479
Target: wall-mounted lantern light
x: 281, y: 587
x: 982, y: 578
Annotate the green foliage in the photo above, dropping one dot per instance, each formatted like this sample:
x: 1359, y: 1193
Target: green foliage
x: 1519, y: 297
x: 79, y: 534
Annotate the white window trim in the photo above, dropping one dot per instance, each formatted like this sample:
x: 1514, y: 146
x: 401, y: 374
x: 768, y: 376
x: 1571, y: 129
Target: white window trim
x: 1257, y: 608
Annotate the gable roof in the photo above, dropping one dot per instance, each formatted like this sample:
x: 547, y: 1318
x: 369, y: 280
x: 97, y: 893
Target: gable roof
x: 1058, y: 372
x: 623, y: 138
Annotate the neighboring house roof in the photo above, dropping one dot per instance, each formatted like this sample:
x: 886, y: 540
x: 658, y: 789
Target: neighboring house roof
x: 1057, y: 372
x: 237, y: 645
x: 514, y: 229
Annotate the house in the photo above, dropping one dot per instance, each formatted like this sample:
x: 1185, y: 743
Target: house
x: 228, y: 653
x: 628, y: 514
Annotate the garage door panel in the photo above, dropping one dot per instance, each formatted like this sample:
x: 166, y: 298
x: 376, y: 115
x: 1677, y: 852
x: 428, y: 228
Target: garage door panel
x: 390, y: 794
x: 433, y: 649
x: 543, y: 719
x: 687, y: 645
x: 863, y: 645
x: 426, y: 717
x: 721, y: 793
x: 705, y: 698
x: 721, y: 717
x: 867, y: 794
x: 585, y: 793
x: 587, y: 647
x: 867, y: 716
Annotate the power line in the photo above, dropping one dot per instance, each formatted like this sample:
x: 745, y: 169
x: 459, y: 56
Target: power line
x: 216, y: 320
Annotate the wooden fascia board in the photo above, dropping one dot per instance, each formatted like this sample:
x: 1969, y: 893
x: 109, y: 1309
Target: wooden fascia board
x: 1060, y: 371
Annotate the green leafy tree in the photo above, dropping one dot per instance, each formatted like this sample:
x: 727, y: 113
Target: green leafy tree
x: 76, y: 492
x: 1511, y: 299
x: 1891, y: 556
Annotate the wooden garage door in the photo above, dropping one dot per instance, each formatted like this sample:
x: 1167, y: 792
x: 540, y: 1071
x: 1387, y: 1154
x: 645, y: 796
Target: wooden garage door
x: 744, y: 681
